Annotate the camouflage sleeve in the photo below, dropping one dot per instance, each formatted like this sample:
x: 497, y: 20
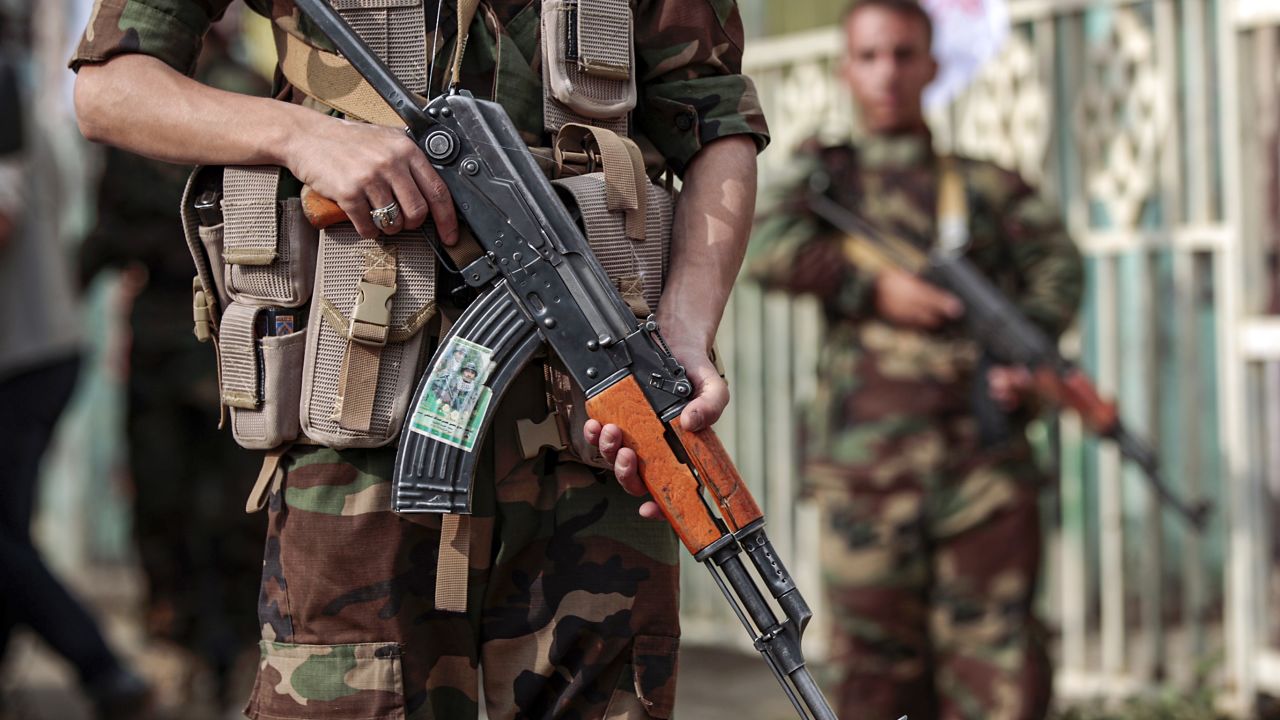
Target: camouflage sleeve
x: 171, y: 30
x: 689, y: 68
x: 1048, y: 261
x: 792, y: 252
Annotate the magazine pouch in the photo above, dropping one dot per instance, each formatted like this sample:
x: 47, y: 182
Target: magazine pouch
x: 260, y: 380
x: 365, y: 343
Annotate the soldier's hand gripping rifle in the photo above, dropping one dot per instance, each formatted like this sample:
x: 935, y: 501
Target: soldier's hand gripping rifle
x: 1008, y: 336
x: 538, y: 283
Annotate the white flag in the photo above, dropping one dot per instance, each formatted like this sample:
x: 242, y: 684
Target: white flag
x: 966, y: 35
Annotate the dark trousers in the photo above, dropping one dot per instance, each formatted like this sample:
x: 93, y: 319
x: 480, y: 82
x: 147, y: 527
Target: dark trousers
x: 29, y: 594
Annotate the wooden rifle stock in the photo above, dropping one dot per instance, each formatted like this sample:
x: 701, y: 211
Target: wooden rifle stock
x: 319, y: 210
x: 668, y: 478
x: 708, y: 456
x: 670, y: 481
x: 1075, y: 390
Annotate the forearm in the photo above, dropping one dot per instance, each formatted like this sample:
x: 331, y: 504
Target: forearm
x: 140, y: 104
x: 709, y: 240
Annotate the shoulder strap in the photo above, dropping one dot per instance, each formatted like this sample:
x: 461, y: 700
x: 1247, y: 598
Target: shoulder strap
x: 331, y: 79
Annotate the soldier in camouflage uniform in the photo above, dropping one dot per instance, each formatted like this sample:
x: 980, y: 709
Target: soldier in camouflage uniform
x: 931, y: 533
x: 572, y: 595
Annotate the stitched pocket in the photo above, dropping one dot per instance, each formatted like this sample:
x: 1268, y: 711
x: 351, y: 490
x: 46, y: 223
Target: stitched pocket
x: 365, y: 341
x: 259, y: 378
x: 328, y: 682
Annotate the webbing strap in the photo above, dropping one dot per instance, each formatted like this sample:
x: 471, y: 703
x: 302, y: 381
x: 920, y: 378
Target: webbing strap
x: 269, y: 478
x: 626, y: 182
x: 250, y: 233
x: 367, y: 334
x: 329, y: 78
x: 604, y: 38
x: 453, y: 563
x: 239, y: 357
x: 466, y: 13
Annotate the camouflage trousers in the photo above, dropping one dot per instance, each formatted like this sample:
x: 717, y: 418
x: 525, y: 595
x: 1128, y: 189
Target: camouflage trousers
x: 931, y: 575
x: 572, y: 597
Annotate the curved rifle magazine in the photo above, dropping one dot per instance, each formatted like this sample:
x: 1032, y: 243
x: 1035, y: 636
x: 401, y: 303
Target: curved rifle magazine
x: 433, y: 476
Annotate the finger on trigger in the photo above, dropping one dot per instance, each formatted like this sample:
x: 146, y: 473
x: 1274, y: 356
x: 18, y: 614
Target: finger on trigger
x: 439, y: 201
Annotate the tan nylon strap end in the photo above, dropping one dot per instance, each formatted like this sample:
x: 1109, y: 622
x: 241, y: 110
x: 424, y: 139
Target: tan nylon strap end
x: 269, y: 478
x: 361, y: 364
x: 453, y: 563
x: 626, y: 182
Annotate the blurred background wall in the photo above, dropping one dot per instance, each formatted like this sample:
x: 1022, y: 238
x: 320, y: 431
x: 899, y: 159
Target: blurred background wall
x: 1155, y: 125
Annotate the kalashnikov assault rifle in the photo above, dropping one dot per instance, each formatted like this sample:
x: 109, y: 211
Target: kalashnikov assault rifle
x: 538, y: 283
x: 1006, y: 335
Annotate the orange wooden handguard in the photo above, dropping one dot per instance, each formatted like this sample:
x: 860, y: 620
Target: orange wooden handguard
x: 670, y: 481
x: 321, y: 212
x: 1077, y: 392
x: 737, y: 506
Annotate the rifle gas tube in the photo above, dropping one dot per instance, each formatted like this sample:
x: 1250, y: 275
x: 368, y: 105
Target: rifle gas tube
x: 539, y: 283
x: 1004, y: 332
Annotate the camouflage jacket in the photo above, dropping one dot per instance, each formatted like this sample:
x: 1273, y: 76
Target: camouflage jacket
x: 688, y: 60
x: 879, y: 382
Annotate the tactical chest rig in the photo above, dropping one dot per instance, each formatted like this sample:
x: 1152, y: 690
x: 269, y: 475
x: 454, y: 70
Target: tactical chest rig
x: 372, y: 301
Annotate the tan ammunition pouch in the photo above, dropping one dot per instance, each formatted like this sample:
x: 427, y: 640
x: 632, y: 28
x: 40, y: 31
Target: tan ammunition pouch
x: 363, y: 345
x: 373, y: 298
x: 588, y: 64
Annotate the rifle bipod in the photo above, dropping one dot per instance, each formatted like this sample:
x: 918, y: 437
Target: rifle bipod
x: 778, y: 642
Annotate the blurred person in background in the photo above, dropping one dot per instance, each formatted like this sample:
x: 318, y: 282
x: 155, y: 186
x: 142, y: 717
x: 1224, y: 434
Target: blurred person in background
x: 200, y: 551
x: 931, y: 528
x: 39, y: 358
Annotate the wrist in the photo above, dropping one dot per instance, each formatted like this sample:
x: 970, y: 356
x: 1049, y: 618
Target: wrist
x: 289, y: 138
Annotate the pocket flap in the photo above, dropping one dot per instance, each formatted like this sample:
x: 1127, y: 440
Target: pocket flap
x: 238, y: 354
x: 604, y: 38
x: 250, y: 214
x: 328, y: 682
x: 654, y: 660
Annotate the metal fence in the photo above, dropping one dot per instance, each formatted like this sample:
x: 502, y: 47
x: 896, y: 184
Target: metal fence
x: 1156, y: 127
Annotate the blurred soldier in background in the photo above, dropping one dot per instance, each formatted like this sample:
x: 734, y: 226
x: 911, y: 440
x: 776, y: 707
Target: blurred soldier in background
x: 931, y: 545
x: 39, y: 358
x: 201, y: 553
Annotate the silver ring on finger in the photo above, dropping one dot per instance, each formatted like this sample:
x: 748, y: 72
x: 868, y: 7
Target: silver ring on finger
x: 386, y: 217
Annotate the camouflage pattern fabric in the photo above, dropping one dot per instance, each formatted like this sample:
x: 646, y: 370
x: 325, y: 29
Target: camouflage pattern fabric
x: 932, y: 547
x: 688, y: 56
x: 572, y: 597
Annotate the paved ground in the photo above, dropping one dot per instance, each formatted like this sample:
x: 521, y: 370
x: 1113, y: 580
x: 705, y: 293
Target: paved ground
x: 36, y: 685
x: 713, y: 684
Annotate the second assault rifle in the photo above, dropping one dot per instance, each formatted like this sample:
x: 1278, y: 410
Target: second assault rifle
x: 538, y: 284
x: 1008, y: 337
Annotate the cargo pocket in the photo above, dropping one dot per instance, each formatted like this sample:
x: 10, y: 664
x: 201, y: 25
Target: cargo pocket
x: 328, y: 682
x: 653, y: 668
